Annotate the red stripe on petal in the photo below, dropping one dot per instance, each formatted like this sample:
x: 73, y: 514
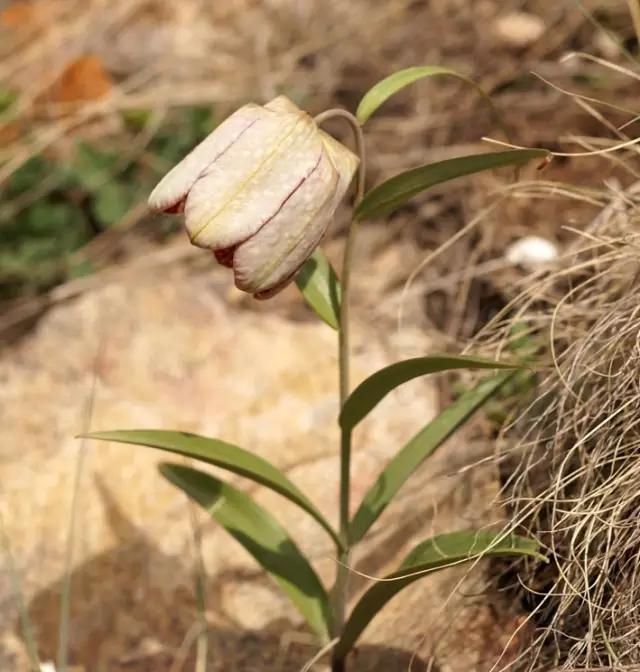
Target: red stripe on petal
x: 303, y: 179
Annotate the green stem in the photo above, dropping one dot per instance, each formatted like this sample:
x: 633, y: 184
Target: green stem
x: 340, y: 588
x: 342, y: 572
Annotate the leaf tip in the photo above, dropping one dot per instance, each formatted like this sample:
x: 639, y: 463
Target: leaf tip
x: 361, y: 114
x: 92, y: 436
x: 166, y: 468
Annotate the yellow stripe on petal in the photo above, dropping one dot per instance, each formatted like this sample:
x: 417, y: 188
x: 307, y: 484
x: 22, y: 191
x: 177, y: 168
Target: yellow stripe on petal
x: 275, y: 252
x: 283, y: 244
x: 251, y: 198
x: 176, y: 184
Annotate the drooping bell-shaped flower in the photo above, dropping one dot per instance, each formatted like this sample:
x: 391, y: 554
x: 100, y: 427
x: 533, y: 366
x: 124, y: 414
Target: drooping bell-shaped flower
x: 260, y: 191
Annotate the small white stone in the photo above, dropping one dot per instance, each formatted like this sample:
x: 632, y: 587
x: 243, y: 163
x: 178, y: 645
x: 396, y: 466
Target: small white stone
x: 531, y: 252
x: 519, y: 29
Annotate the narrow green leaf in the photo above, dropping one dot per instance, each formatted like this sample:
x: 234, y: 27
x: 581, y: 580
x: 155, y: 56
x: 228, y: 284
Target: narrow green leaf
x: 262, y: 536
x: 320, y: 288
x: 423, y: 444
x: 436, y: 553
x: 384, y: 198
x: 390, y: 85
x: 220, y: 454
x: 372, y: 390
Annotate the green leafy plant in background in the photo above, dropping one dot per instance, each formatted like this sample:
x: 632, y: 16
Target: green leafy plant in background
x: 51, y: 207
x: 254, y: 527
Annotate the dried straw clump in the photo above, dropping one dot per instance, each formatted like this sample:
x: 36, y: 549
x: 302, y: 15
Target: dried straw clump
x: 573, y: 479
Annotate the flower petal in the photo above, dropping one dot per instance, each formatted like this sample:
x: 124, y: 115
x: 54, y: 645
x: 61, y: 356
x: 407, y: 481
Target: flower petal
x: 174, y: 187
x: 343, y: 159
x: 249, y: 184
x: 282, y: 104
x: 260, y: 192
x: 268, y: 260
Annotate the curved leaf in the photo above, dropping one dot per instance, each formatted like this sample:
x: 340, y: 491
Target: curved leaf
x: 423, y: 444
x: 372, y: 390
x: 220, y: 454
x: 436, y: 553
x: 265, y: 539
x: 390, y: 85
x: 320, y: 288
x: 384, y: 198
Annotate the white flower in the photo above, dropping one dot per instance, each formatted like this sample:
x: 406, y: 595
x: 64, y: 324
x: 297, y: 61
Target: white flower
x: 260, y: 192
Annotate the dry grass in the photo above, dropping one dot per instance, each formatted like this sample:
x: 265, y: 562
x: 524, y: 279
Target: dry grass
x: 573, y: 479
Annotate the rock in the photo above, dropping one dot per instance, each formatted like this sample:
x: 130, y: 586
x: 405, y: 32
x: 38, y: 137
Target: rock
x: 165, y: 351
x: 518, y: 29
x: 531, y: 252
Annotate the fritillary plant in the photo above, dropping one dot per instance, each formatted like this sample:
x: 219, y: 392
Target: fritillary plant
x: 260, y: 192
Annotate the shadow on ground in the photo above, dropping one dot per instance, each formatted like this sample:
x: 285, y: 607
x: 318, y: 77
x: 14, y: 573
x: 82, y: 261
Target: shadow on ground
x: 125, y: 619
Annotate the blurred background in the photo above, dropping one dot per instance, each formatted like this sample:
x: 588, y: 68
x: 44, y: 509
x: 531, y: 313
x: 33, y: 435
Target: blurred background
x: 98, y: 99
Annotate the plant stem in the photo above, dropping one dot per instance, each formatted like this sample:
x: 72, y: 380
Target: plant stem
x: 634, y: 10
x: 342, y: 574
x: 338, y: 665
x: 65, y: 596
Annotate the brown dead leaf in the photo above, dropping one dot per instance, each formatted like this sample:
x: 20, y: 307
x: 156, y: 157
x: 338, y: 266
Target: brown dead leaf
x: 9, y: 133
x: 19, y: 16
x: 84, y: 79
